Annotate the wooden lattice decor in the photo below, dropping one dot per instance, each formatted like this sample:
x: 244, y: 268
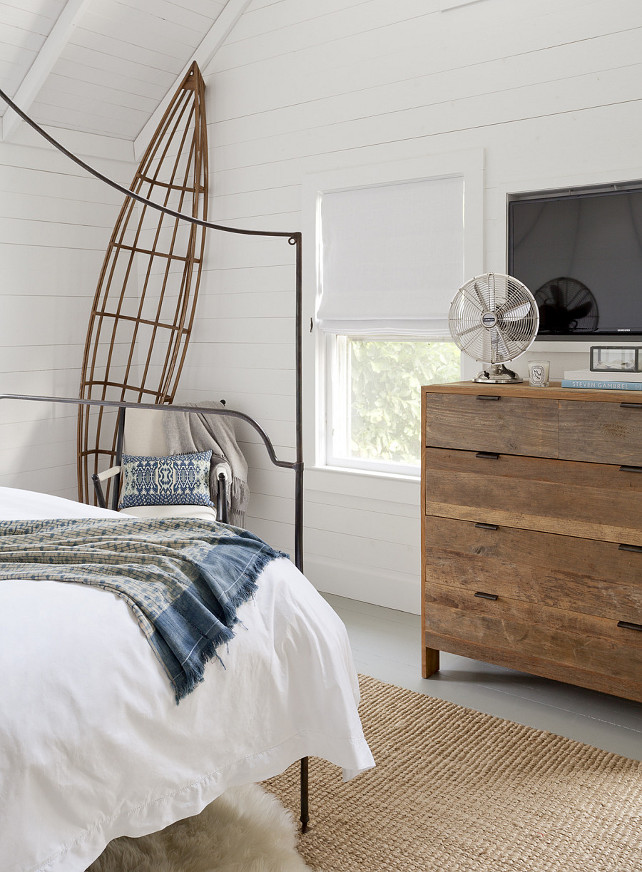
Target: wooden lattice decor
x: 143, y: 310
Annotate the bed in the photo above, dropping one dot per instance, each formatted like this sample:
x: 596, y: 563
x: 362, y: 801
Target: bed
x: 92, y: 742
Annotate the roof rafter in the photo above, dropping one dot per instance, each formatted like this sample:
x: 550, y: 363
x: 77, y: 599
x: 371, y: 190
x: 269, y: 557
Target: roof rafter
x: 51, y: 50
x: 211, y: 43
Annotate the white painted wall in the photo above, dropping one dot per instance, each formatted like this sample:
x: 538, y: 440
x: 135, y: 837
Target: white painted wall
x: 549, y: 90
x: 55, y: 222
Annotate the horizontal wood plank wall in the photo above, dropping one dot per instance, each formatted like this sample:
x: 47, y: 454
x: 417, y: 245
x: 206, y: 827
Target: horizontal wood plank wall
x: 55, y: 222
x: 551, y: 92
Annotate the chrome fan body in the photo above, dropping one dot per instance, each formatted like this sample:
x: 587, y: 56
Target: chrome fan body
x: 494, y: 319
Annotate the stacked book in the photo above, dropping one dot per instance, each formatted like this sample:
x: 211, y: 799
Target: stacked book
x: 610, y: 381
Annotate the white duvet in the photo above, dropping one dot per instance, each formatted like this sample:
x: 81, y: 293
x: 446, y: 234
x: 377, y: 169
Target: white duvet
x: 92, y: 743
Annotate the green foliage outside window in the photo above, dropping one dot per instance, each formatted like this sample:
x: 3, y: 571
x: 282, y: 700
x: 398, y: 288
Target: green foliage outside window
x: 386, y: 378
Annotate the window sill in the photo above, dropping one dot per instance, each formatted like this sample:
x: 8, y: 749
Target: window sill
x: 363, y: 483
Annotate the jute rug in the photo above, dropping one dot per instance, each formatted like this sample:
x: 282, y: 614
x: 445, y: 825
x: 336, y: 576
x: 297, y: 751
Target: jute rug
x: 459, y: 791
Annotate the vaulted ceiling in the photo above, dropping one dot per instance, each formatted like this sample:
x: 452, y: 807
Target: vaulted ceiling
x: 103, y: 66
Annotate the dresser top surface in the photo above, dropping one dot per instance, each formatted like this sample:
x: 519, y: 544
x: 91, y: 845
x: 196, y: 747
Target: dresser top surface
x: 553, y: 392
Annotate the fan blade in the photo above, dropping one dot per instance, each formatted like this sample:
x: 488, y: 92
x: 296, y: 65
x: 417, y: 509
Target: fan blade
x: 507, y: 353
x: 578, y: 292
x: 498, y: 340
x: 580, y: 311
x: 485, y: 353
x: 556, y: 296
x: 517, y: 312
x: 477, y: 305
x: 465, y: 332
x: 494, y: 339
x: 480, y: 297
x: 492, y: 304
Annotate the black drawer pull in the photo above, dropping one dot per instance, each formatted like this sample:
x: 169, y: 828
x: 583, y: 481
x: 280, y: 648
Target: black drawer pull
x: 631, y: 469
x: 487, y: 397
x: 487, y: 455
x: 481, y: 526
x: 625, y: 547
x: 489, y: 596
x: 631, y: 405
x: 626, y: 625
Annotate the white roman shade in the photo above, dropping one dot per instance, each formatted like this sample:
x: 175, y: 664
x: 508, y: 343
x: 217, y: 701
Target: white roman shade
x: 391, y: 257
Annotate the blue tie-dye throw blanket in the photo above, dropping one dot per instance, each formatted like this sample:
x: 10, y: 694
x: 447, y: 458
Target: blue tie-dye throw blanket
x: 182, y: 579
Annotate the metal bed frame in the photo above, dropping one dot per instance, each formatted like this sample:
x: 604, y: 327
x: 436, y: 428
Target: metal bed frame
x: 294, y: 239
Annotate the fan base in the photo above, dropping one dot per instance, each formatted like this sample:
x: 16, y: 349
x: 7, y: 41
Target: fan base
x: 498, y: 374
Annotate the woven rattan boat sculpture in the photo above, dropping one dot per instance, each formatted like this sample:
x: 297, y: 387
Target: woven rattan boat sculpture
x: 143, y: 311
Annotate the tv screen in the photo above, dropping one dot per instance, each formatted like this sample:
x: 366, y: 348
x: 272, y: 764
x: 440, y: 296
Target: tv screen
x: 580, y: 255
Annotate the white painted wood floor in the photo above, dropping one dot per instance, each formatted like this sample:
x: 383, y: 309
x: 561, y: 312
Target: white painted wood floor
x: 386, y: 644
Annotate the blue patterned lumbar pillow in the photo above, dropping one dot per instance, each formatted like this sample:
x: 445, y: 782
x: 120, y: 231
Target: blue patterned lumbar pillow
x: 178, y: 480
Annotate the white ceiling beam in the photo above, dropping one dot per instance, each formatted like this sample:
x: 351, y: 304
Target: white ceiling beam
x: 51, y: 50
x: 214, y: 39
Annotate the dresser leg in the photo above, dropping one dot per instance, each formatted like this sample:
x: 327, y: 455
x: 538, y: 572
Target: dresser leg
x: 430, y: 662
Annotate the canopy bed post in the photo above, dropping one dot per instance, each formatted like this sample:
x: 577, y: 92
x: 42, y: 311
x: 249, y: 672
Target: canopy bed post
x: 296, y: 240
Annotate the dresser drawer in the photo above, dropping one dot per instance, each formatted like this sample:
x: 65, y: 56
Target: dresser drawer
x: 589, y: 500
x: 591, y: 651
x: 495, y: 422
x: 563, y: 572
x: 601, y: 432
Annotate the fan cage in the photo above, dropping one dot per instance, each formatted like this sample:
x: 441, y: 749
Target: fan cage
x: 493, y: 318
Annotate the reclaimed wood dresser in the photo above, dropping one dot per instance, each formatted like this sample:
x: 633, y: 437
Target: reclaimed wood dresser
x: 532, y: 535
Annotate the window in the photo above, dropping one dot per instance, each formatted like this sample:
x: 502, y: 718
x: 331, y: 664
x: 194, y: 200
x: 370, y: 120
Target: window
x: 390, y: 254
x: 374, y: 420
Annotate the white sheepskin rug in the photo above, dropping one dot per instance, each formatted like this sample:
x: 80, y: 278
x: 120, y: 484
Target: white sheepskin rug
x: 244, y: 830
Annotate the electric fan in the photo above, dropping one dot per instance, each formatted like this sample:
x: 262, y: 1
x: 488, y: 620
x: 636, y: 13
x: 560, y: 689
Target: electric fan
x: 494, y: 319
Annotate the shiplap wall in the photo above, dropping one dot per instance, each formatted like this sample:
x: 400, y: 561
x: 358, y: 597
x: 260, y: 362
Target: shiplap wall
x: 550, y: 91
x: 55, y: 222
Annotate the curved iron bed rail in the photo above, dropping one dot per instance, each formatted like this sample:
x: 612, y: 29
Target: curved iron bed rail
x: 132, y: 194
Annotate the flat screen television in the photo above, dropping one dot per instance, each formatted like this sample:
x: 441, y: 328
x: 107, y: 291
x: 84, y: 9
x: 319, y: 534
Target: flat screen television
x: 579, y: 252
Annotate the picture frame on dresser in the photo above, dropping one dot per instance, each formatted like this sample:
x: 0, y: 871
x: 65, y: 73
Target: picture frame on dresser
x: 532, y: 531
